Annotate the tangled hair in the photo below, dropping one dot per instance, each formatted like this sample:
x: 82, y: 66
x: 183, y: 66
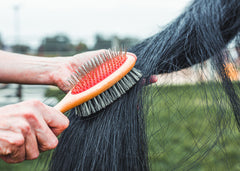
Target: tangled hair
x: 117, y: 137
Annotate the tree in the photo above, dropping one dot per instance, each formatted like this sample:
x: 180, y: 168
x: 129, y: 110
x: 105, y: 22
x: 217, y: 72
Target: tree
x: 81, y: 47
x: 58, y: 44
x: 19, y: 48
x: 126, y: 42
x: 129, y: 42
x: 1, y: 43
x: 114, y: 42
x: 102, y: 43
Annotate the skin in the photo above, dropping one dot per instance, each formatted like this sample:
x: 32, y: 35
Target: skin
x: 31, y: 127
x: 26, y: 69
x: 28, y: 128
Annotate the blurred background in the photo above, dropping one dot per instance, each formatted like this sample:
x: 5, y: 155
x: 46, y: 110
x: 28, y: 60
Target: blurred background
x: 66, y: 27
x: 45, y: 27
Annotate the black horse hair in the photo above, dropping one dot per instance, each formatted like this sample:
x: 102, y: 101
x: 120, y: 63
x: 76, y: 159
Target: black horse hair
x: 116, y: 138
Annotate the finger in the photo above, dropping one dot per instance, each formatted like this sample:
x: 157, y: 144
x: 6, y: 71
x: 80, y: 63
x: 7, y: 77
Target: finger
x: 12, y: 148
x: 41, y: 122
x: 45, y: 137
x: 56, y: 120
x: 153, y: 79
x: 150, y: 80
x: 31, y: 146
x: 16, y: 157
x: 21, y: 126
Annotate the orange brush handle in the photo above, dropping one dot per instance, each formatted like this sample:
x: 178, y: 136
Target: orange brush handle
x: 72, y: 100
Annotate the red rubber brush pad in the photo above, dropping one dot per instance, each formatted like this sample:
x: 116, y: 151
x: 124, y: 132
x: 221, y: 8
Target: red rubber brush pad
x: 98, y: 74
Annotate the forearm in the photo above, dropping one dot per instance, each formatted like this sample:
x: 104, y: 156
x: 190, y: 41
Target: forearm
x: 25, y: 69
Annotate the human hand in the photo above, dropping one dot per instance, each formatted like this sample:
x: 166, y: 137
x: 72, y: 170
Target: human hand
x: 68, y: 65
x: 28, y: 128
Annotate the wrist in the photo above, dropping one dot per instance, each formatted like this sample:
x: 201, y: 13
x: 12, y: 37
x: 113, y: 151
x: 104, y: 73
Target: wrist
x: 60, y: 72
x: 41, y: 70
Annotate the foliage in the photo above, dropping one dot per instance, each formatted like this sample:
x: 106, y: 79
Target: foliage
x: 1, y: 43
x: 81, y: 47
x: 28, y: 165
x: 113, y: 42
x: 101, y: 43
x: 181, y: 129
x: 55, y: 92
x: 125, y: 42
x: 20, y: 48
x: 58, y: 44
x: 186, y: 129
x: 61, y: 44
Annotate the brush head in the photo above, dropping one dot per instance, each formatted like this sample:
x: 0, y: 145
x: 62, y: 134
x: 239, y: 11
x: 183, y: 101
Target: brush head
x: 109, y: 96
x: 97, y: 69
x: 100, y: 81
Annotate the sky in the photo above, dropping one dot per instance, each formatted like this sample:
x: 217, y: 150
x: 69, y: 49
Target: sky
x: 28, y: 21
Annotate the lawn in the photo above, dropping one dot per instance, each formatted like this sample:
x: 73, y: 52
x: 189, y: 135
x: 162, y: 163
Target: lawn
x: 188, y: 127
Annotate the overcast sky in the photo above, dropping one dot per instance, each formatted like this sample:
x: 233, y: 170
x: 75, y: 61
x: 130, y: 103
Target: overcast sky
x: 82, y: 19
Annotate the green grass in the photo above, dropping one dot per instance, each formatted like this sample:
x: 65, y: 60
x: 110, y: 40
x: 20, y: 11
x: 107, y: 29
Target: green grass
x: 29, y: 165
x: 181, y: 127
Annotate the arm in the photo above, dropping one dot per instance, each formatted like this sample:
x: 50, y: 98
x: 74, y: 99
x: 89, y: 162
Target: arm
x: 26, y: 69
x: 19, y: 68
x: 30, y: 127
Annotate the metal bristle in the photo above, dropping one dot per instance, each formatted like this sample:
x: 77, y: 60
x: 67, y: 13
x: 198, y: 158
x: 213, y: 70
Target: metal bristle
x: 107, y: 55
x: 84, y: 67
x: 91, y: 64
x: 78, y: 74
x: 101, y: 59
x: 120, y: 52
x: 104, y: 57
x: 70, y: 83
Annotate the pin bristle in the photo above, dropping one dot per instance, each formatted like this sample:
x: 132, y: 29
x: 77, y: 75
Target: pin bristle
x: 96, y: 70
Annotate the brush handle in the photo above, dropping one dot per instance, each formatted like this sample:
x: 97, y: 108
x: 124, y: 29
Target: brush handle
x: 72, y: 100
x: 61, y: 107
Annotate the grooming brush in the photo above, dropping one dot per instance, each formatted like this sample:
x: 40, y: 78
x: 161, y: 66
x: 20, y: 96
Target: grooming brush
x: 99, y: 82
